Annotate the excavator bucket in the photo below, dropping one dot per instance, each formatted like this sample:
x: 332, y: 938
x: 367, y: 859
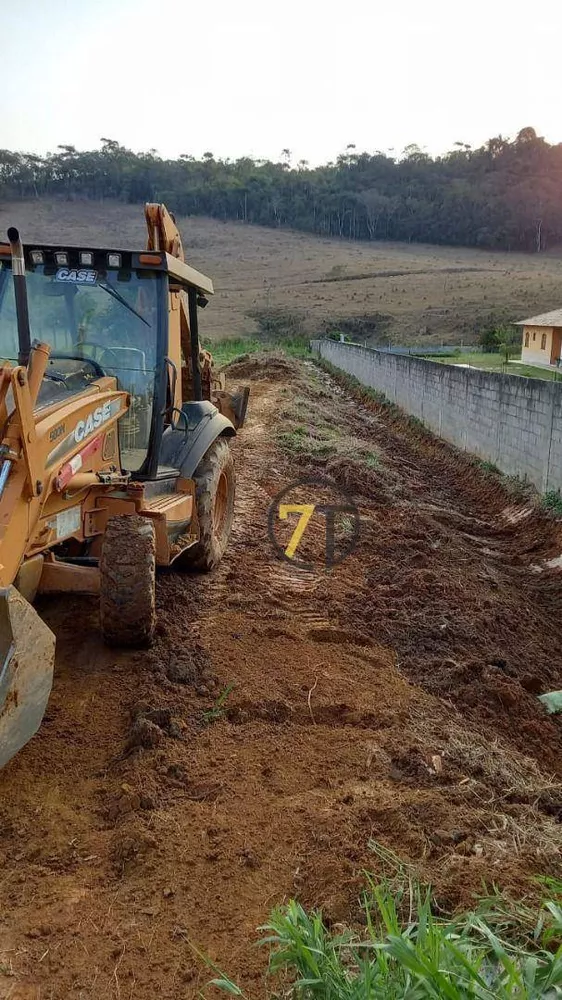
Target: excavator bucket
x: 27, y: 657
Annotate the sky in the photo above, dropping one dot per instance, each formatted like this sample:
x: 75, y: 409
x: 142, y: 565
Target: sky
x: 254, y: 77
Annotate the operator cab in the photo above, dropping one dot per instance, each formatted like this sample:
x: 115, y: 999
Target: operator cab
x: 103, y: 313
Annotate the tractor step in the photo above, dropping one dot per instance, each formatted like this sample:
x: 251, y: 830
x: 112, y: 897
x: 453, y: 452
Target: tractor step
x: 174, y: 506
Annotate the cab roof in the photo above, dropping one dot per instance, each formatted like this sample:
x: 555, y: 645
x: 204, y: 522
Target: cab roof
x: 155, y: 260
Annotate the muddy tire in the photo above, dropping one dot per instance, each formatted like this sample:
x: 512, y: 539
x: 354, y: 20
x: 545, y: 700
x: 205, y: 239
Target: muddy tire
x: 214, y: 491
x: 127, y: 581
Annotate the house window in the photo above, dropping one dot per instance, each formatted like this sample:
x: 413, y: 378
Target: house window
x: 534, y: 335
x: 527, y: 339
x: 543, y: 342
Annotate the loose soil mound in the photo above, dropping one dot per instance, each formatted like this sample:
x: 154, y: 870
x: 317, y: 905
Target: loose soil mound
x: 270, y: 366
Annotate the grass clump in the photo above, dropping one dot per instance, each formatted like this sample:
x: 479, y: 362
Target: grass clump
x: 296, y: 346
x: 219, y: 708
x: 418, y: 956
x: 229, y: 348
x: 301, y: 441
x: 552, y: 501
x: 487, y: 467
x: 496, y: 362
x: 407, y: 950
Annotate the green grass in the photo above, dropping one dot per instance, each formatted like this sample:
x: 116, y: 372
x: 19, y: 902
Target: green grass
x: 487, y: 467
x: 227, y: 349
x: 552, y: 501
x: 529, y: 371
x: 496, y: 363
x: 217, y: 711
x: 300, y: 441
x: 296, y: 347
x: 407, y: 950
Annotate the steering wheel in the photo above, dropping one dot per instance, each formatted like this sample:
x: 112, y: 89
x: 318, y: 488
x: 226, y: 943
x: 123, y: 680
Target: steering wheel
x: 97, y: 368
x: 113, y: 361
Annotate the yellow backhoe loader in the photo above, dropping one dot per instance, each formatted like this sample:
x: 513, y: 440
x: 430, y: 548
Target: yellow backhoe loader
x: 114, y: 453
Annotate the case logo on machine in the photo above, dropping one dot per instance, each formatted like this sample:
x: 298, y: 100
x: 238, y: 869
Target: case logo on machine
x: 92, y: 422
x: 76, y: 276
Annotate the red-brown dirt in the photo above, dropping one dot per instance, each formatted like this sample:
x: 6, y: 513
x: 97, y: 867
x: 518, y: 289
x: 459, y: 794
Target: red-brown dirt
x: 160, y: 812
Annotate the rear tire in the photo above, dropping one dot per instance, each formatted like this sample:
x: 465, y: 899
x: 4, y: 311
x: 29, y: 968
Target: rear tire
x: 127, y: 581
x: 215, y: 483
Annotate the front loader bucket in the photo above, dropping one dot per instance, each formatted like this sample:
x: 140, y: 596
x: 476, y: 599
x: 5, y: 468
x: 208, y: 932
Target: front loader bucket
x: 27, y: 657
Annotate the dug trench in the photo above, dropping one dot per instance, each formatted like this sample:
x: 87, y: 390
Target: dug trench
x: 284, y: 720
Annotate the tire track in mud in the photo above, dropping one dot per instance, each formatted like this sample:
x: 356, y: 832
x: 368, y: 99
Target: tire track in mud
x: 280, y: 721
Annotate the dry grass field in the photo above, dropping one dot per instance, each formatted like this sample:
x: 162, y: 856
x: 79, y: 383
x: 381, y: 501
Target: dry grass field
x: 379, y: 291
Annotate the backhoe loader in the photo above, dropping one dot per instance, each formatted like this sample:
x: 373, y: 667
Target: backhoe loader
x: 114, y: 453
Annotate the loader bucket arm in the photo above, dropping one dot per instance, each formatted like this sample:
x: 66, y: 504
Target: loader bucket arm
x: 27, y: 656
x: 27, y: 645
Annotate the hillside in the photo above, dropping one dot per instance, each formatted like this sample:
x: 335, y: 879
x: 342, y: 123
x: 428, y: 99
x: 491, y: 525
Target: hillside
x: 375, y: 291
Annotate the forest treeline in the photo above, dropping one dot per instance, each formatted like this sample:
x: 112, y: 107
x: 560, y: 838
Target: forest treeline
x: 505, y: 194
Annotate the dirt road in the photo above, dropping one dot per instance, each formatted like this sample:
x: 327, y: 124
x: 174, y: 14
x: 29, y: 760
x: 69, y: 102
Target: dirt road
x: 173, y: 797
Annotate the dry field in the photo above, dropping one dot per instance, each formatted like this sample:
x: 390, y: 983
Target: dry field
x: 379, y: 291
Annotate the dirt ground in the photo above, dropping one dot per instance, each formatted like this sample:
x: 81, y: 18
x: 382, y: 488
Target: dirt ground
x: 379, y: 291
x: 285, y: 718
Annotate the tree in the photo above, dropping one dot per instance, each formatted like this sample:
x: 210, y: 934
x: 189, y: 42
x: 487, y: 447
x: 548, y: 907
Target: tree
x: 489, y: 340
x: 509, y: 342
x: 506, y: 194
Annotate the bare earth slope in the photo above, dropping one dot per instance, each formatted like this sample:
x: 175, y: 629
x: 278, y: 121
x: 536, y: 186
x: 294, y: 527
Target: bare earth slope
x: 393, y: 697
x: 381, y: 290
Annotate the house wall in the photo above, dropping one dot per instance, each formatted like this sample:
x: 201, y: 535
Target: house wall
x: 534, y: 353
x: 514, y: 422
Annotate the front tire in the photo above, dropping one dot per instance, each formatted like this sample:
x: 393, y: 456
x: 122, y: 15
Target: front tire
x: 215, y: 483
x: 127, y: 581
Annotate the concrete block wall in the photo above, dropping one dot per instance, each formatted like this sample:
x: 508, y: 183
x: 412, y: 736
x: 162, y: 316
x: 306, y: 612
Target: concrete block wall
x: 514, y: 422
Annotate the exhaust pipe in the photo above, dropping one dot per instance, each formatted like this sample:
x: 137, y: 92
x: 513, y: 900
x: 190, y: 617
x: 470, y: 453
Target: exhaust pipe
x: 194, y: 340
x: 20, y: 292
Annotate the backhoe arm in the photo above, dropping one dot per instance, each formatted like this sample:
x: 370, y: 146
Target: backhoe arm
x: 200, y: 379
x: 163, y: 234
